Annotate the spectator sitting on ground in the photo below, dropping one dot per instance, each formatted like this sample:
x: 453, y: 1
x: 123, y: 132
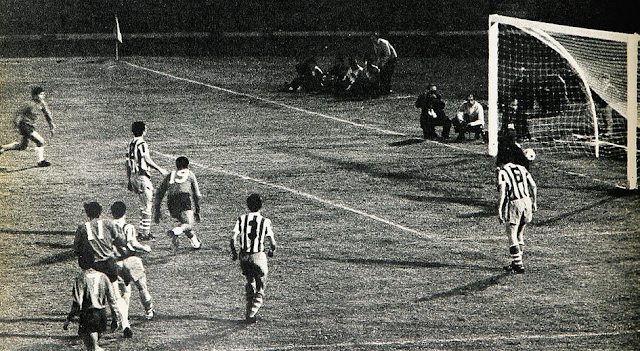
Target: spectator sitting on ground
x: 334, y: 79
x: 309, y: 76
x: 353, y: 73
x: 470, y: 117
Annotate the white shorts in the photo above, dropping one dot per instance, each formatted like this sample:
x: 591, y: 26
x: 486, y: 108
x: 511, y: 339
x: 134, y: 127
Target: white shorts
x: 131, y: 269
x: 520, y: 211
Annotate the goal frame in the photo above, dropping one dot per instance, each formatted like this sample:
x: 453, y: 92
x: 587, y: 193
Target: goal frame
x: 631, y: 41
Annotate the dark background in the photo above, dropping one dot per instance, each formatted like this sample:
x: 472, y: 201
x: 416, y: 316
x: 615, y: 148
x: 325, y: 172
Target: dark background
x: 153, y: 16
x: 43, y: 19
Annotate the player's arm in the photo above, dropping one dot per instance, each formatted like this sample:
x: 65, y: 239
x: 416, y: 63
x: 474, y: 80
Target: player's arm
x: 534, y: 192
x: 153, y: 165
x: 132, y: 241
x: 271, y: 238
x: 502, y: 203
x: 157, y: 201
x: 197, y: 196
x: 234, y: 240
x: 111, y: 300
x: 48, y: 116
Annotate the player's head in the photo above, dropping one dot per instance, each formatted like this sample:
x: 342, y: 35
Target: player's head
x: 138, y: 128
x: 374, y: 36
x: 92, y: 209
x: 433, y: 88
x: 37, y: 93
x: 182, y: 162
x: 85, y: 261
x: 254, y: 202
x: 471, y: 98
x: 118, y: 209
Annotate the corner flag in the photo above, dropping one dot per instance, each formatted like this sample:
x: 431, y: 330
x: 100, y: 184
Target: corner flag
x: 118, y: 34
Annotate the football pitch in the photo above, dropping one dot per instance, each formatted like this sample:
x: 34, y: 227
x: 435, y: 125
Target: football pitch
x: 386, y: 241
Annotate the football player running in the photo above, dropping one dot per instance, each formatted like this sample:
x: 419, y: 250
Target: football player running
x: 183, y: 202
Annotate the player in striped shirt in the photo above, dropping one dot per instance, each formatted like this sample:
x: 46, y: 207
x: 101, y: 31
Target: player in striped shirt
x: 249, y: 235
x: 129, y: 261
x: 25, y: 121
x: 518, y: 196
x: 183, y: 201
x: 139, y: 165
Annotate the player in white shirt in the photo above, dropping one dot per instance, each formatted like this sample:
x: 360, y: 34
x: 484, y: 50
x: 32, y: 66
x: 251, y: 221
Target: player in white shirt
x: 518, y: 201
x: 249, y: 235
x: 183, y: 202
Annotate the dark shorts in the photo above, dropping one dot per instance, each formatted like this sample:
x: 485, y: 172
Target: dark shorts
x: 178, y: 203
x: 26, y: 129
x: 109, y: 267
x: 92, y: 320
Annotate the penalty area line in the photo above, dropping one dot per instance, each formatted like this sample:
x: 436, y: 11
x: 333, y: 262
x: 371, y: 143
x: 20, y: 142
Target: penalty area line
x: 428, y: 341
x: 305, y: 195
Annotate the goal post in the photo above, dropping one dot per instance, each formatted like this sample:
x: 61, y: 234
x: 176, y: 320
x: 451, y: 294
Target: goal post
x: 568, y: 89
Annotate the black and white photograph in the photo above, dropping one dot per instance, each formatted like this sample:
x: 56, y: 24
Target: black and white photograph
x: 319, y: 175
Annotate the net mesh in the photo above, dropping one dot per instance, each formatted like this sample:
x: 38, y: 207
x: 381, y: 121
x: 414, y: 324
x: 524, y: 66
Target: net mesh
x: 564, y: 94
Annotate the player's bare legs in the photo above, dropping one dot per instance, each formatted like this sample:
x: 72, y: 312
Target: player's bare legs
x: 91, y: 342
x: 37, y: 139
x: 187, y: 219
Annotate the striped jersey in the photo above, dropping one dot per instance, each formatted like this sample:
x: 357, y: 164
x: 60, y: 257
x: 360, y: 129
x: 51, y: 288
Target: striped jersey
x: 127, y: 232
x: 92, y: 289
x: 517, y: 180
x: 136, y: 160
x: 250, y: 232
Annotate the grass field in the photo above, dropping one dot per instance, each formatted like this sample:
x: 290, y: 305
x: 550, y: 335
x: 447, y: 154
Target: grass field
x: 387, y: 242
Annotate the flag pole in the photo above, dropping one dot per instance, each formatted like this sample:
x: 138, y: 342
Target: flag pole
x: 118, y: 36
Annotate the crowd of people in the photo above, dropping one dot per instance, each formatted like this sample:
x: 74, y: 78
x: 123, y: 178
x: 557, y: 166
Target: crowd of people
x: 348, y: 76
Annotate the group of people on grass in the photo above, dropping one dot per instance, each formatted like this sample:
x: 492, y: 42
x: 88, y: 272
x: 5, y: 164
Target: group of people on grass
x: 469, y: 117
x: 370, y: 77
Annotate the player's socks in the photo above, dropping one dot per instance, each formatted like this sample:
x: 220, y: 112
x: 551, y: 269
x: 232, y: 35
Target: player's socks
x: 39, y: 153
x: 145, y: 224
x: 516, y: 255
x: 195, y: 243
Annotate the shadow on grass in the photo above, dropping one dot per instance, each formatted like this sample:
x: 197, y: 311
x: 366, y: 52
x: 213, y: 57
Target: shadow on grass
x: 406, y: 142
x: 6, y: 170
x: 405, y: 263
x: 479, y: 285
x: 562, y: 216
x: 488, y: 207
x: 56, y: 258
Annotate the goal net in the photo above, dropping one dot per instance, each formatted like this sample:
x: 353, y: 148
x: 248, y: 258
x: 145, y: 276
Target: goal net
x: 568, y: 92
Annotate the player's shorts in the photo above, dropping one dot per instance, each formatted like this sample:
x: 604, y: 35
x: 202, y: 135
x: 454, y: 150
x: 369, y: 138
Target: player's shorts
x: 254, y: 264
x: 131, y: 269
x: 520, y: 211
x: 25, y: 128
x: 178, y: 203
x: 109, y: 267
x: 141, y: 184
x: 93, y: 320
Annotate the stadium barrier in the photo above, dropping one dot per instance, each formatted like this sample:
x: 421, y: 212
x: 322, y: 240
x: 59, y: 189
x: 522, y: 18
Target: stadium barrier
x: 408, y: 43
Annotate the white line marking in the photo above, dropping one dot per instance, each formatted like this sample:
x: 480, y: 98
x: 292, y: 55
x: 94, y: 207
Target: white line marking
x: 303, y: 194
x: 404, y: 343
x: 277, y: 103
